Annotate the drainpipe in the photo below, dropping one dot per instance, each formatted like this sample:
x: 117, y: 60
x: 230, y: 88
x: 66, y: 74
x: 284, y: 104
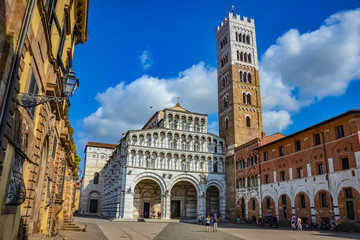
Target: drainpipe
x: 14, y: 68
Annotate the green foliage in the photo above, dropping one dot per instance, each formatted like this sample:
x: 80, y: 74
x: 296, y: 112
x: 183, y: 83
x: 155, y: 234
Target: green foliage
x: 77, y: 160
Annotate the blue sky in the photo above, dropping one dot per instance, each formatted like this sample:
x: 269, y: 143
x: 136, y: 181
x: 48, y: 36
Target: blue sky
x: 146, y: 53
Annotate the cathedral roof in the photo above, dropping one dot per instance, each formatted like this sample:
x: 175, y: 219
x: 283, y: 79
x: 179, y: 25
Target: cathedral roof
x: 179, y: 108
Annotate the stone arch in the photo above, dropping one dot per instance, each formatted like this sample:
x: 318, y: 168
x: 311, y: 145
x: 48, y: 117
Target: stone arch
x: 94, y: 202
x: 149, y: 175
x: 216, y: 183
x: 323, y: 205
x: 268, y: 206
x: 303, y: 212
x: 189, y: 178
x: 346, y: 183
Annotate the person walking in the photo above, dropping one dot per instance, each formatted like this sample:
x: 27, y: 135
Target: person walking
x: 207, y: 223
x: 216, y: 220
x: 293, y: 221
x: 299, y: 225
x: 199, y: 219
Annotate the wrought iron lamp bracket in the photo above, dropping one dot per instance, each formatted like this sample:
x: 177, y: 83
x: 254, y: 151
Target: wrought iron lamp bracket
x: 30, y: 100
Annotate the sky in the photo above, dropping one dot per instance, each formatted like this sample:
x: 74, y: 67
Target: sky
x: 141, y: 55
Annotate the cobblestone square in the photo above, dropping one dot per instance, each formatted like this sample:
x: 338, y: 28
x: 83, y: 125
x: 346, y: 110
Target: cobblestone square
x: 161, y: 231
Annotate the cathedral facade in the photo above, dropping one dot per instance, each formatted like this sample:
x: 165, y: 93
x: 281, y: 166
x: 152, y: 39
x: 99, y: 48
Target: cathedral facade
x: 171, y: 168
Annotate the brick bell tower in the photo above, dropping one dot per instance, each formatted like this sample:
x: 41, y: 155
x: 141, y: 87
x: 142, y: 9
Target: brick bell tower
x: 239, y: 101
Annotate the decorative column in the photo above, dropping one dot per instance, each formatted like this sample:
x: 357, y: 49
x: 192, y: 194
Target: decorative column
x: 201, y: 205
x: 336, y: 208
x: 165, y: 206
x: 292, y: 207
x: 312, y: 208
x: 222, y: 206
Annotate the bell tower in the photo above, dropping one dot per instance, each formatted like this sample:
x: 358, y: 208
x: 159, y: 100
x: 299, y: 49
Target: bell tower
x: 239, y: 101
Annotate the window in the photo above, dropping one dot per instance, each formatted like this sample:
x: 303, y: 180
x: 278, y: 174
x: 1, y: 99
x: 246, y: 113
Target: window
x: 317, y: 139
x: 249, y: 98
x: 302, y: 201
x: 348, y: 193
x: 253, y: 204
x: 54, y: 148
x: 244, y: 98
x: 96, y: 178
x: 33, y: 89
x: 267, y: 180
x: 266, y: 156
x: 247, y: 39
x: 215, y: 167
x: 300, y: 172
x: 281, y: 151
x: 340, y: 131
x: 345, y: 163
x: 320, y: 168
x: 268, y: 203
x: 226, y: 123
x: 248, y: 121
x: 297, y: 145
x: 283, y: 199
x: 241, y: 76
x: 323, y: 199
x: 225, y: 102
x: 249, y: 58
x: 249, y: 78
x: 282, y: 176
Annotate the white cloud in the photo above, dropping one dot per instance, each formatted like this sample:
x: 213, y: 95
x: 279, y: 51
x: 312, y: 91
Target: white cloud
x: 276, y: 120
x: 303, y: 68
x: 127, y: 106
x: 145, y: 60
x: 213, y: 127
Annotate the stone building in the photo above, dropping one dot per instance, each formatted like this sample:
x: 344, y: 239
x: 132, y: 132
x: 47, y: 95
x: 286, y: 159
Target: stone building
x: 92, y: 185
x: 38, y: 163
x: 171, y: 168
x: 239, y: 101
x: 312, y: 174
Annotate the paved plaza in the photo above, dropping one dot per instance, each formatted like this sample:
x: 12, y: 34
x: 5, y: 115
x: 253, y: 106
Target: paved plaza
x: 102, y: 229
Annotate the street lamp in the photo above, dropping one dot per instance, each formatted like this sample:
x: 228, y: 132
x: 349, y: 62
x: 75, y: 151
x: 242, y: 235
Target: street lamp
x: 30, y: 100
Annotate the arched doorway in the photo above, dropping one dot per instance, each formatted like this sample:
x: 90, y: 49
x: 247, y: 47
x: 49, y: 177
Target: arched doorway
x: 147, y: 199
x: 323, y: 206
x: 253, y: 209
x: 212, y: 200
x: 284, y: 205
x: 183, y: 200
x: 94, y: 202
x: 268, y: 206
x: 241, y: 208
x: 349, y: 202
x: 302, y: 207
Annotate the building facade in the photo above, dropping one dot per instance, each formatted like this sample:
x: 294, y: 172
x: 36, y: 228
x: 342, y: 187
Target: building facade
x: 172, y: 168
x: 38, y: 163
x: 239, y: 101
x: 92, y: 185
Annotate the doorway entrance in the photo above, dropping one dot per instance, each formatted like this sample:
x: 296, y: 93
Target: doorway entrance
x: 175, y: 208
x: 350, y: 210
x: 93, y: 205
x: 146, y: 213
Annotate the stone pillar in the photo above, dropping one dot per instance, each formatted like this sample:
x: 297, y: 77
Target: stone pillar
x: 292, y: 207
x: 246, y: 207
x: 165, y: 206
x: 336, y: 208
x: 222, y: 206
x: 128, y: 205
x: 260, y: 207
x: 312, y: 208
x: 290, y: 174
x: 276, y: 208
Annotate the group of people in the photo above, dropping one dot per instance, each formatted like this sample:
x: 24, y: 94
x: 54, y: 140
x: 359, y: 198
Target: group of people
x: 296, y: 224
x: 211, y: 220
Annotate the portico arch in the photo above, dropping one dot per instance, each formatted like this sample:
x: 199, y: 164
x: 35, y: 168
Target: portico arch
x: 183, y: 202
x: 150, y: 176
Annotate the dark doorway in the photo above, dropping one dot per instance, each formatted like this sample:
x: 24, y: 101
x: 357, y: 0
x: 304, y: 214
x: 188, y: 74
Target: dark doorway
x: 146, y: 209
x: 175, y: 209
x: 93, y: 205
x: 285, y: 213
x: 350, y: 210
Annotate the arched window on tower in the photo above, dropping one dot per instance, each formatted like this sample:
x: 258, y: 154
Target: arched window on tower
x: 244, y: 77
x: 249, y: 58
x: 215, y: 167
x: 223, y: 81
x: 238, y: 55
x: 244, y: 38
x: 240, y: 38
x: 244, y: 98
x: 225, y: 102
x: 241, y: 76
x: 248, y: 121
x: 241, y: 56
x: 248, y: 39
x: 96, y: 178
x: 249, y: 77
x: 248, y: 98
x: 226, y: 123
x: 245, y: 57
x: 236, y: 34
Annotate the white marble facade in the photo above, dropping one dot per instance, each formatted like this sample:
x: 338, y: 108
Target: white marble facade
x: 96, y: 156
x: 172, y: 168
